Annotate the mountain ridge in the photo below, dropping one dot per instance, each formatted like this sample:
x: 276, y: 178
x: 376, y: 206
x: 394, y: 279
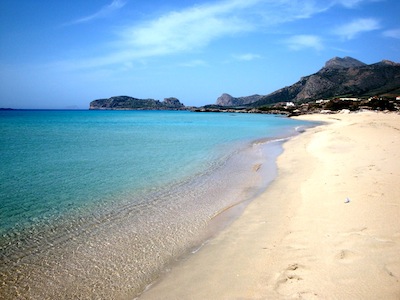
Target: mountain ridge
x: 339, y: 77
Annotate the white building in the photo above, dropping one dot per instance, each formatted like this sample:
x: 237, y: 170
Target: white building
x: 349, y: 99
x: 321, y: 101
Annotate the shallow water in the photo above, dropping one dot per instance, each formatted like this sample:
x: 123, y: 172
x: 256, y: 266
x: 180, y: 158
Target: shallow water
x: 95, y: 204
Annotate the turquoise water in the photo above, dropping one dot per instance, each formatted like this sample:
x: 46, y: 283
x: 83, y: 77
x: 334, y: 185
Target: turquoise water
x: 109, y: 198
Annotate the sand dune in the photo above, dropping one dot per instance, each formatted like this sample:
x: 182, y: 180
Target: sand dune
x: 327, y: 228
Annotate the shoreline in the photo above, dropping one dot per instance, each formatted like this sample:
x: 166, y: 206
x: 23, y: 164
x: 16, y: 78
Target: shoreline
x: 116, y: 250
x: 327, y: 227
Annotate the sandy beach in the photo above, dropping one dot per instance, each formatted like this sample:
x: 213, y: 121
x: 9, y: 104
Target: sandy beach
x: 327, y: 228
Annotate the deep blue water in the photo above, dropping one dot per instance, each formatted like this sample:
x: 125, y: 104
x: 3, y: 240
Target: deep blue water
x: 135, y: 178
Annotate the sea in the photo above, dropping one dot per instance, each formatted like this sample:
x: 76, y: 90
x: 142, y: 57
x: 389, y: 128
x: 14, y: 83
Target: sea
x: 98, y: 204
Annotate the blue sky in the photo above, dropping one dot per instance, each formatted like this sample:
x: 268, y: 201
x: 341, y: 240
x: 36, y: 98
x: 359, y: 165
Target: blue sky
x: 64, y: 54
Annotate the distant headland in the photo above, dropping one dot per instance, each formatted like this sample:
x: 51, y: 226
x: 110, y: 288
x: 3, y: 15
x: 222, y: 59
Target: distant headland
x: 343, y: 83
x: 130, y: 103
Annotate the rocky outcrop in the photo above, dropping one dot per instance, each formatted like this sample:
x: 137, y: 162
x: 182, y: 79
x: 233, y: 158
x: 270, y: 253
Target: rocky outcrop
x: 173, y: 103
x: 342, y: 63
x: 130, y: 103
x: 228, y: 100
x: 225, y: 100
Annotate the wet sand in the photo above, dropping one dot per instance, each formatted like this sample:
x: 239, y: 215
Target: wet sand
x: 327, y: 228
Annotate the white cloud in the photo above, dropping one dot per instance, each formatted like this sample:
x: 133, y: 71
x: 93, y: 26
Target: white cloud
x: 351, y: 30
x: 300, y: 42
x: 103, y: 12
x: 176, y: 32
x: 195, y: 27
x: 246, y: 56
x: 349, y: 3
x: 188, y: 29
x: 393, y: 33
x: 353, y: 3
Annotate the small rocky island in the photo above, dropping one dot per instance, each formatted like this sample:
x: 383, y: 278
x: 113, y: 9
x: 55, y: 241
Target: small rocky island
x: 130, y: 103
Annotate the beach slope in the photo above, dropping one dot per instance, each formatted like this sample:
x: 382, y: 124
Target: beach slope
x: 327, y: 228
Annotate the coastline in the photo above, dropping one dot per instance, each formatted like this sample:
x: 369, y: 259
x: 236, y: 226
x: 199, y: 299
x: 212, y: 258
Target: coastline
x: 120, y: 244
x: 327, y: 228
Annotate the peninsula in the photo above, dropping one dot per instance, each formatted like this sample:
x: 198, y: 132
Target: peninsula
x: 130, y: 103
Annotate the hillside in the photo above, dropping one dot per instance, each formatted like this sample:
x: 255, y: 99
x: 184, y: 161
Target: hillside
x: 339, y: 77
x: 228, y: 100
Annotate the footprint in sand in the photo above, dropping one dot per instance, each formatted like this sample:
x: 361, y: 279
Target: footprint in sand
x: 288, y: 274
x: 345, y: 256
x: 288, y: 283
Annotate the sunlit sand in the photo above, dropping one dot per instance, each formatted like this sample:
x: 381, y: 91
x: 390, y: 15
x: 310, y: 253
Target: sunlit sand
x: 327, y: 228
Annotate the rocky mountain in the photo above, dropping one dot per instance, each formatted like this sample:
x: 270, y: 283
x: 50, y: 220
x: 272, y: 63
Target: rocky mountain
x: 228, y: 100
x: 130, y: 103
x: 340, y: 77
x: 345, y: 62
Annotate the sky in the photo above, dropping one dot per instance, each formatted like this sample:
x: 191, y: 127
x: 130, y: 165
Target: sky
x: 64, y: 54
